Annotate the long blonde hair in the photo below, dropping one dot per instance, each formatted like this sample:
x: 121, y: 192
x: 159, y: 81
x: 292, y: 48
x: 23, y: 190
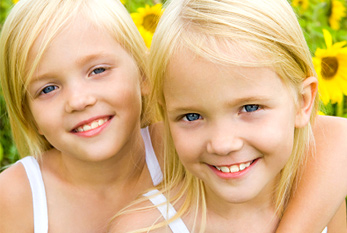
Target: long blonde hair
x: 269, y: 31
x: 30, y: 19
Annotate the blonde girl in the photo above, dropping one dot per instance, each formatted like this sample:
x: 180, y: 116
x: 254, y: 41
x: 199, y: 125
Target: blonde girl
x: 236, y: 87
x: 73, y: 74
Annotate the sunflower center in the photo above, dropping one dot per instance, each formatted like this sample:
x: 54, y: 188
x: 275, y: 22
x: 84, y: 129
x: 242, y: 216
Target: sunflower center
x: 330, y: 66
x: 150, y: 22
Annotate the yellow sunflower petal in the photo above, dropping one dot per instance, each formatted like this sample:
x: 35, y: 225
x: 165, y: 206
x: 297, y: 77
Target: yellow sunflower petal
x: 327, y: 38
x: 303, y: 4
x: 146, y: 20
x: 147, y: 36
x: 338, y: 11
x: 331, y: 67
x: 147, y: 17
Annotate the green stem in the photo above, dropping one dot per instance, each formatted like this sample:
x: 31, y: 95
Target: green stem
x: 340, y: 107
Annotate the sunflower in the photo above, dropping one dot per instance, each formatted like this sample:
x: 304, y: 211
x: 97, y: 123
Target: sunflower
x: 146, y: 20
x: 303, y: 4
x: 331, y: 67
x: 337, y: 12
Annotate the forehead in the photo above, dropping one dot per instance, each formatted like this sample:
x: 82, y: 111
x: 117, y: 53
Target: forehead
x: 77, y: 31
x: 73, y: 43
x: 232, y: 60
x: 190, y: 77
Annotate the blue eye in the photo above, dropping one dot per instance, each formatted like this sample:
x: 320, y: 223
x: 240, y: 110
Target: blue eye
x: 192, y: 117
x: 48, y: 89
x: 98, y: 70
x: 251, y: 108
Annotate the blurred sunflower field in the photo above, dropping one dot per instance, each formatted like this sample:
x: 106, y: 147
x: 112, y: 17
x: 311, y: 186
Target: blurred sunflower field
x: 324, y: 23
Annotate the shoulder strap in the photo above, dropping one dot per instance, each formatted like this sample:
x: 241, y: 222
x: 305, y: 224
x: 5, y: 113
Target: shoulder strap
x: 33, y: 171
x: 160, y: 201
x: 151, y: 158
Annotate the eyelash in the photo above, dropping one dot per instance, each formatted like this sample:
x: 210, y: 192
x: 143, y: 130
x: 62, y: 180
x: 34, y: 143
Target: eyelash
x: 186, y: 116
x: 98, y: 68
x: 254, y: 108
x: 244, y: 108
x: 42, y: 92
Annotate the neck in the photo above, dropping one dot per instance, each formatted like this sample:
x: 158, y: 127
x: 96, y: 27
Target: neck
x: 257, y: 214
x: 124, y: 168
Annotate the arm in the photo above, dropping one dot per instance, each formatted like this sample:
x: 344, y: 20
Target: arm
x: 323, y: 186
x: 16, y: 213
x: 338, y: 222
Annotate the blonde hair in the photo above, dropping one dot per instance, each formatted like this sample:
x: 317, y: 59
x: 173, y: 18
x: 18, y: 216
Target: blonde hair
x: 30, y: 19
x: 267, y: 30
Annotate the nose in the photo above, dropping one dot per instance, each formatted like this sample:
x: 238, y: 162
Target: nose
x: 79, y: 99
x: 224, y: 140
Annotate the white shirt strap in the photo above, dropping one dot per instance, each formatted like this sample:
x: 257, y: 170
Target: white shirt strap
x: 151, y: 158
x: 33, y: 171
x: 159, y: 200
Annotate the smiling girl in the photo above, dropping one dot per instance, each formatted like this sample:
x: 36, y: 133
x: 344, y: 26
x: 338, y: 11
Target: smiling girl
x: 236, y: 87
x: 73, y: 75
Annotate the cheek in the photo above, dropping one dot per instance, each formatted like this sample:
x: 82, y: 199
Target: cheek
x: 37, y: 116
x: 277, y: 139
x: 126, y: 93
x: 187, y: 147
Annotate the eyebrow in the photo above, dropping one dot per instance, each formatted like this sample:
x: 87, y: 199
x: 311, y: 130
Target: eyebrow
x: 90, y: 57
x: 250, y: 99
x: 238, y: 101
x: 79, y: 61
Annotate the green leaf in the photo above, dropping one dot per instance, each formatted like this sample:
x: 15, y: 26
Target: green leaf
x: 1, y: 153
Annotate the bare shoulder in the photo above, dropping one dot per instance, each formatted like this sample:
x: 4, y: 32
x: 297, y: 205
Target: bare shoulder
x: 338, y: 222
x: 331, y: 148
x: 15, y: 200
x: 140, y: 216
x: 330, y: 126
x: 330, y: 135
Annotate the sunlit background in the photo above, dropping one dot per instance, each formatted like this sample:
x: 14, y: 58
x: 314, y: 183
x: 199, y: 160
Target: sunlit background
x: 324, y: 23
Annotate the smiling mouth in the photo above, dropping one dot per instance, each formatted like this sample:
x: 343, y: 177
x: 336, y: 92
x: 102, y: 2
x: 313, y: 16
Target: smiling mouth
x: 92, y: 125
x: 234, y: 168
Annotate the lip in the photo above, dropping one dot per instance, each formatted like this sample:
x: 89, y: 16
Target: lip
x: 92, y: 132
x: 234, y: 175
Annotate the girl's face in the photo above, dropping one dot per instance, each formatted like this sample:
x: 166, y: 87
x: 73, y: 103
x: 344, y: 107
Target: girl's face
x: 85, y: 95
x: 233, y: 127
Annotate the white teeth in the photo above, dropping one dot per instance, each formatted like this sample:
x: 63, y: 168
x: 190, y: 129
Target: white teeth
x: 92, y: 125
x: 86, y: 128
x: 243, y: 166
x: 234, y: 168
x: 224, y: 169
x: 101, y: 122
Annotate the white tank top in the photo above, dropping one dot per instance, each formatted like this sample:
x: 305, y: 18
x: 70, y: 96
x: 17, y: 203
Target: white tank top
x: 37, y: 186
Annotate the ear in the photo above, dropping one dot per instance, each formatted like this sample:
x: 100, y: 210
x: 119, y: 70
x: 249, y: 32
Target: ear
x: 306, y: 101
